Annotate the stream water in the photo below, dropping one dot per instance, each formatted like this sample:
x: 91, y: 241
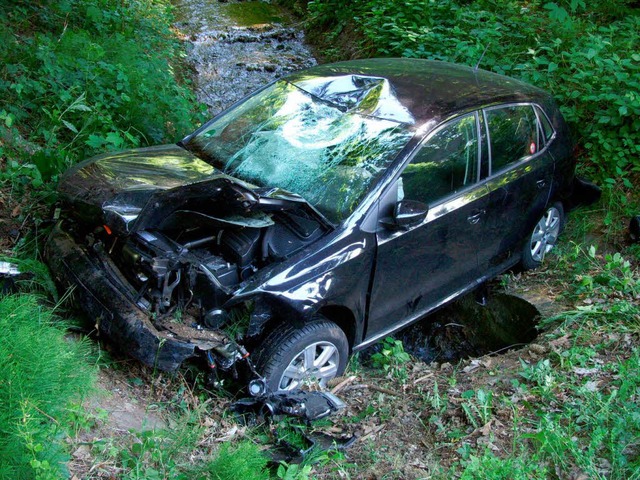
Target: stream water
x: 236, y: 47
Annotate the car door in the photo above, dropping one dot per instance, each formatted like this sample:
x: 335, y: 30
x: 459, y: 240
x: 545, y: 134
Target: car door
x: 520, y: 172
x: 427, y: 264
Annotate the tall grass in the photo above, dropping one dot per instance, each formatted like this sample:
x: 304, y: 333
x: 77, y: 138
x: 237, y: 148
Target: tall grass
x: 40, y: 373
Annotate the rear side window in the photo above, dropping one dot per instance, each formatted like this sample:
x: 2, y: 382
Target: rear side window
x: 547, y: 129
x: 513, y: 134
x: 447, y: 163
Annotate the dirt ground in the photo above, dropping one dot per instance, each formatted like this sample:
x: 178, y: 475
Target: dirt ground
x: 396, y: 420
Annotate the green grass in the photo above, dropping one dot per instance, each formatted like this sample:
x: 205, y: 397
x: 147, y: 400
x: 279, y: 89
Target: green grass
x: 42, y: 373
x: 581, y: 415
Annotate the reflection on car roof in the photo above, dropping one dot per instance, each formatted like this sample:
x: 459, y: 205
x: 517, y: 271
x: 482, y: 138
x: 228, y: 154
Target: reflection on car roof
x: 412, y: 91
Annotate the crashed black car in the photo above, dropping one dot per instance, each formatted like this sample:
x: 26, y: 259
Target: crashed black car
x: 314, y: 217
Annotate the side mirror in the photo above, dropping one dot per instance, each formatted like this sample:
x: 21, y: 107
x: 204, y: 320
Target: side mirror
x: 407, y: 214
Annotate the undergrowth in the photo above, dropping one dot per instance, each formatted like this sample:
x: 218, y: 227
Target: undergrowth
x: 42, y: 372
x: 581, y: 417
x: 82, y: 77
x: 584, y: 53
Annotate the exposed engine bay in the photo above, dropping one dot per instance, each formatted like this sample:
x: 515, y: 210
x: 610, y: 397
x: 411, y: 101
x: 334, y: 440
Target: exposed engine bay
x: 194, y: 270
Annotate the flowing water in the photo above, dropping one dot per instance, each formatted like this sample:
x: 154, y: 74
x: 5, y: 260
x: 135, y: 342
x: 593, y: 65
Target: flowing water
x: 236, y: 47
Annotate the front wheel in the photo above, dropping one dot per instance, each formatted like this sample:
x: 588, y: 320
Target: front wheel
x: 543, y: 237
x: 313, y: 353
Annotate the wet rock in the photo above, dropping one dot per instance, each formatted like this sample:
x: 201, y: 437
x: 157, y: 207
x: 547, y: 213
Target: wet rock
x: 232, y: 56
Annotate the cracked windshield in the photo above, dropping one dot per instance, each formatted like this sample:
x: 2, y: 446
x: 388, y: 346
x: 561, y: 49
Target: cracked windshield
x: 284, y: 137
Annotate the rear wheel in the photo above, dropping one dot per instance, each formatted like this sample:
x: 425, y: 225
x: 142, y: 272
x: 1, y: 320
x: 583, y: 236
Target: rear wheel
x: 543, y: 237
x: 313, y: 353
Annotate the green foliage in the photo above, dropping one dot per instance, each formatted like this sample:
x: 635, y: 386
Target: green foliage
x: 477, y: 406
x: 41, y: 374
x: 585, y: 53
x: 293, y: 471
x: 81, y: 77
x: 597, y: 429
x: 488, y: 466
x: 243, y: 460
x: 392, y: 358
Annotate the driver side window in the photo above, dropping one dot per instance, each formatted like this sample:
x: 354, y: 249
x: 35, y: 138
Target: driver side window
x: 447, y: 163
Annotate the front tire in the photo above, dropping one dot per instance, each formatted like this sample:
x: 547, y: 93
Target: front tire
x: 292, y: 357
x: 543, y: 237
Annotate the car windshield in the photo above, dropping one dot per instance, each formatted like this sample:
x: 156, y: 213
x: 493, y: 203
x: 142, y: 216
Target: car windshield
x: 287, y: 138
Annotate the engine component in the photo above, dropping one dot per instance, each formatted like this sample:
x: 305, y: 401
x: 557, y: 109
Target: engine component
x: 215, y: 318
x: 240, y: 246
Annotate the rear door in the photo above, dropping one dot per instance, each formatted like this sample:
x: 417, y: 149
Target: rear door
x: 520, y: 173
x: 427, y: 264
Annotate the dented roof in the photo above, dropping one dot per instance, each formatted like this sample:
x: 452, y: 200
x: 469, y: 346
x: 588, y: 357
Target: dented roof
x: 412, y: 91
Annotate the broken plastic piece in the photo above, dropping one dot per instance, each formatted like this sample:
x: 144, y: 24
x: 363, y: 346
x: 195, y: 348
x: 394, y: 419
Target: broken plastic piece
x: 296, y: 403
x: 634, y: 228
x: 316, y: 441
x: 10, y: 274
x: 8, y: 269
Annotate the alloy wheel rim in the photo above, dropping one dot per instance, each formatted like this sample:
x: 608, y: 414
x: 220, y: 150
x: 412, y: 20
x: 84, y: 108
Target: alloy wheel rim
x: 316, y: 363
x: 545, y: 234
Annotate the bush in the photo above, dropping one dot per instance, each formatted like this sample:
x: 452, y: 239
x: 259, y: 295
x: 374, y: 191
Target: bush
x: 585, y: 54
x: 243, y: 460
x: 80, y: 77
x: 41, y: 373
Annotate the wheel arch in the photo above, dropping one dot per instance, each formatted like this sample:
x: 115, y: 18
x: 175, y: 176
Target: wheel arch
x: 344, y: 318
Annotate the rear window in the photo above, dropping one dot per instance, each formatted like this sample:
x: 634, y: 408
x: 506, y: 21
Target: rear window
x: 547, y: 129
x: 513, y: 134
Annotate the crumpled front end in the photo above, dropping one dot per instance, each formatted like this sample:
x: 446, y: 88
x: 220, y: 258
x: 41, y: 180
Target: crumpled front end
x: 163, y: 343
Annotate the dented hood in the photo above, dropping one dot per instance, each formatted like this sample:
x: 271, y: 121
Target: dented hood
x: 165, y: 187
x: 137, y: 173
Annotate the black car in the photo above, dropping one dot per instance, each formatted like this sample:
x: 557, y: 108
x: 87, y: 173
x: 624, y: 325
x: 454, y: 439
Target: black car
x: 318, y: 215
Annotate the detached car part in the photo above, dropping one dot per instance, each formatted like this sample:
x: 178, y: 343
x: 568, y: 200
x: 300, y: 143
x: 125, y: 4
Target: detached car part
x: 10, y: 274
x: 320, y: 214
x: 634, y: 228
x: 308, y: 406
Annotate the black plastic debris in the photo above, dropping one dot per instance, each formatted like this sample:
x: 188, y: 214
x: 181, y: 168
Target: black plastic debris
x: 9, y: 274
x: 296, y: 404
x: 308, y: 406
x: 314, y: 441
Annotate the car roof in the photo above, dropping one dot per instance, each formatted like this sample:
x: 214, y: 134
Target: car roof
x: 427, y: 90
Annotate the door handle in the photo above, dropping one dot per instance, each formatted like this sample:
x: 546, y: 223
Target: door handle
x: 541, y: 183
x: 475, y: 217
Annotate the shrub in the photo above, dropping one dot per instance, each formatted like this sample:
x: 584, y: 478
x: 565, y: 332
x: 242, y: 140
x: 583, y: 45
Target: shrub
x: 80, y: 77
x: 585, y: 54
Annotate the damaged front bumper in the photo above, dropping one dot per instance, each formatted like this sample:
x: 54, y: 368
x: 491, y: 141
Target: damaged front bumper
x: 161, y: 343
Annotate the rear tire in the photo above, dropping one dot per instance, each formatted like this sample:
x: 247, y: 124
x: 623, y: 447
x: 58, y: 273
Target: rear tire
x: 292, y: 357
x: 543, y: 237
